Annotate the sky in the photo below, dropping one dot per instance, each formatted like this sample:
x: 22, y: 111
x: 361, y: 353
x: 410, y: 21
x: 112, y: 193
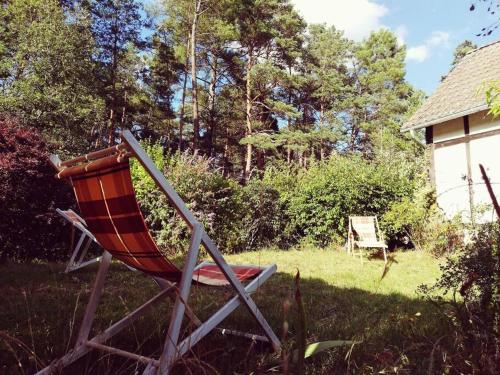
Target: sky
x: 430, y: 29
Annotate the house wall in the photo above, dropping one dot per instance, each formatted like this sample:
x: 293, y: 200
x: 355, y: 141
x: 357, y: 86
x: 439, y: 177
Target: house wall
x: 459, y: 146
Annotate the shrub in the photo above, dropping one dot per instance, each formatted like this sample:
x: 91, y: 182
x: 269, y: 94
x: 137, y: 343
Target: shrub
x: 470, y: 285
x: 238, y: 218
x: 265, y: 219
x: 215, y: 200
x: 419, y: 219
x: 328, y: 192
x: 280, y: 209
x: 29, y: 193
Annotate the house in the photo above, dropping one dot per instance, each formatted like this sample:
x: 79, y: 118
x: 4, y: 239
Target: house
x: 460, y: 134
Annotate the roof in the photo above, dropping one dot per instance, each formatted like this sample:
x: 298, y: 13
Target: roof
x: 458, y: 95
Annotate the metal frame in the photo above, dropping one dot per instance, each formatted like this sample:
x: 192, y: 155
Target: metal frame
x: 352, y: 243
x: 85, y: 240
x: 173, y: 348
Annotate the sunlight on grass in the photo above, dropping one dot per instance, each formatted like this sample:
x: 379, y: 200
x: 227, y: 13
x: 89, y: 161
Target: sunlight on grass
x: 339, y: 269
x: 343, y: 299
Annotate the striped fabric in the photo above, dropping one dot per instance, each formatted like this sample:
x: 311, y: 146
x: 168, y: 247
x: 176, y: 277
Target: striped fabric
x: 107, y: 202
x: 364, y: 227
x: 210, y: 274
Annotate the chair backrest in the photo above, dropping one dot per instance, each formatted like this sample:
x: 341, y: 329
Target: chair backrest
x: 364, y: 227
x: 107, y: 202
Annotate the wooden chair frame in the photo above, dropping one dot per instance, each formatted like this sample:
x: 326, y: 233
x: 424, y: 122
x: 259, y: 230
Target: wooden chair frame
x: 172, y: 348
x: 76, y: 261
x: 352, y: 243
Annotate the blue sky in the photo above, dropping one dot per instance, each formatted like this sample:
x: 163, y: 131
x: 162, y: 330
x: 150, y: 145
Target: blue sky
x: 431, y: 29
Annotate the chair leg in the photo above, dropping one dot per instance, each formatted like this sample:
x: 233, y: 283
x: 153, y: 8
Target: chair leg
x: 97, y: 341
x: 84, y: 251
x: 385, y: 255
x: 223, y: 312
x: 76, y: 250
x: 169, y: 353
x: 240, y: 290
x: 88, y: 318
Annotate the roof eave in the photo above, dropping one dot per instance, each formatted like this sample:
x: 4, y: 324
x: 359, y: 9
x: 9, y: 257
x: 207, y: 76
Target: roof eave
x: 439, y: 120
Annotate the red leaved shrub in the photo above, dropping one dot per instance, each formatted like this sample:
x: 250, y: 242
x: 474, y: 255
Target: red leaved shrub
x: 29, y: 194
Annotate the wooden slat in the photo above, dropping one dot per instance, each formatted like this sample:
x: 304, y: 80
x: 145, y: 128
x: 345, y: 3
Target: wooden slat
x: 123, y: 353
x: 93, y: 155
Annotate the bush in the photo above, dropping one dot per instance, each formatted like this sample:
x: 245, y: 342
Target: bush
x: 419, y: 219
x: 236, y: 217
x: 328, y: 192
x: 29, y: 193
x: 280, y: 209
x: 265, y: 219
x: 470, y: 285
x: 215, y: 200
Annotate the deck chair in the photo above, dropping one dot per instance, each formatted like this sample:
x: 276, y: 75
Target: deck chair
x: 107, y: 202
x: 364, y: 232
x: 77, y: 258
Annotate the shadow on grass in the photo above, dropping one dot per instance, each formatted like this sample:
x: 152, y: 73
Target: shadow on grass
x: 43, y: 307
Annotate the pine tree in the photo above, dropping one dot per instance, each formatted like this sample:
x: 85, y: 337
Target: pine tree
x: 380, y: 93
x: 462, y: 49
x: 117, y: 27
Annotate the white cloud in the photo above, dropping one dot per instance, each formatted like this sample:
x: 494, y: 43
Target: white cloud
x: 423, y: 51
x: 401, y: 33
x: 356, y: 17
x: 418, y: 53
x: 438, y: 38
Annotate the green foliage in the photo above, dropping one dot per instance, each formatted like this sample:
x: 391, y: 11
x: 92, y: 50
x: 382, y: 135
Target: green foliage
x: 419, y: 218
x: 471, y: 277
x: 215, y: 200
x: 493, y: 98
x: 328, y: 192
x: 45, y: 63
x: 282, y: 207
x: 265, y: 218
x: 236, y: 217
x: 462, y: 49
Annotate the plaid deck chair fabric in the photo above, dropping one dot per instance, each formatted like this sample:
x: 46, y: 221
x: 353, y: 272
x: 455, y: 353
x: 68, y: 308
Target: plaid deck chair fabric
x: 364, y: 228
x: 363, y: 234
x: 107, y: 202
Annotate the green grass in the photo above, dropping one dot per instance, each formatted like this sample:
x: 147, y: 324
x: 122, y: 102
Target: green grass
x: 394, y: 329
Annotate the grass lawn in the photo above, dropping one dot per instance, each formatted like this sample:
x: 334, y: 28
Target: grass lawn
x: 394, y: 329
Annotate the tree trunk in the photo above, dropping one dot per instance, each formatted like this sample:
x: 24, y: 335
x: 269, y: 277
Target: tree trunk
x: 194, y: 84
x: 111, y: 126
x: 248, y: 165
x: 113, y: 83
x: 211, y: 107
x: 124, y: 112
x: 321, y: 125
x: 183, y: 100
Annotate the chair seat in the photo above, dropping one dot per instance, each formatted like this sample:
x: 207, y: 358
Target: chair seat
x: 370, y: 243
x: 211, y: 275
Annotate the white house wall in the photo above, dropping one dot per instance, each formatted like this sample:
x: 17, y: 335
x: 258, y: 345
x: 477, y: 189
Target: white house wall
x: 485, y: 151
x: 450, y: 169
x: 450, y: 163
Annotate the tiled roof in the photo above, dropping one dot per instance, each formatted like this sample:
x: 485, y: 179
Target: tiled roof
x: 460, y: 92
